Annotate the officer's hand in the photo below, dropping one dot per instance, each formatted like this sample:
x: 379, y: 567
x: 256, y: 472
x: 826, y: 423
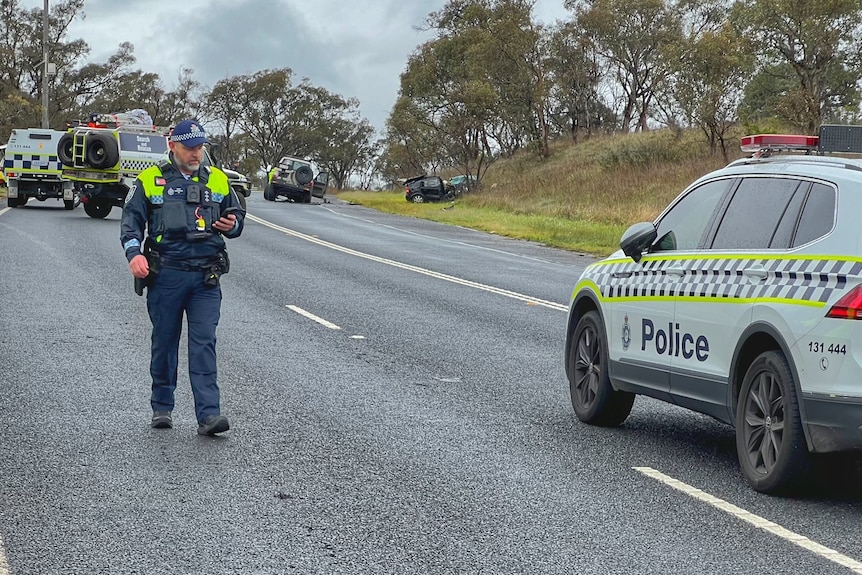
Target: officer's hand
x: 139, y: 266
x: 225, y: 223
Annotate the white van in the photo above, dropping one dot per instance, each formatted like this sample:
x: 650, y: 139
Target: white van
x: 33, y: 170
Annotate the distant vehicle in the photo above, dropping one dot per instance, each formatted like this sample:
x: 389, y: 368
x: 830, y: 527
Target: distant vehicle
x: 294, y: 179
x: 32, y: 169
x: 742, y: 301
x: 425, y: 188
x: 462, y: 183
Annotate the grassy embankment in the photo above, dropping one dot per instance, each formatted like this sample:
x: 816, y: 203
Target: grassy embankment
x: 581, y: 199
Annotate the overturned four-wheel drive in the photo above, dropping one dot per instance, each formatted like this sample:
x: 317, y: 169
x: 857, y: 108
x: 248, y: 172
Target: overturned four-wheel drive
x: 104, y: 156
x: 294, y: 179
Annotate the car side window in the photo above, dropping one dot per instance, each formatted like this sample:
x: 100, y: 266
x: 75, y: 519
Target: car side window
x: 818, y: 215
x: 683, y: 226
x: 756, y: 209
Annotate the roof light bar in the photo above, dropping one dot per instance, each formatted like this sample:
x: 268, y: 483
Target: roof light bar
x: 774, y: 142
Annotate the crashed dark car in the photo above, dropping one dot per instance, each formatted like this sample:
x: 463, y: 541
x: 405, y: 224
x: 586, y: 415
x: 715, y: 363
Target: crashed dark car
x: 421, y: 189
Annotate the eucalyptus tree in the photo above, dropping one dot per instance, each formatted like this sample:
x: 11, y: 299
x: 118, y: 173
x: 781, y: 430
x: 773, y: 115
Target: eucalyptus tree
x: 455, y: 106
x: 819, y: 41
x: 708, y: 72
x: 122, y: 91
x: 346, y: 144
x: 223, y: 106
x: 412, y: 145
x: 21, y: 55
x: 511, y: 53
x: 269, y: 101
x: 628, y: 36
x: 575, y: 103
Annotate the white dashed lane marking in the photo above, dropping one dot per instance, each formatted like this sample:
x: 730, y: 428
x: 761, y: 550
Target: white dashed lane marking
x: 312, y: 317
x: 756, y: 520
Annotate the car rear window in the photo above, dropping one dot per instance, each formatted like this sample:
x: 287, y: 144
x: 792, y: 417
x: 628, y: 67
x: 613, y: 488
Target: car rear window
x: 753, y: 216
x: 818, y: 215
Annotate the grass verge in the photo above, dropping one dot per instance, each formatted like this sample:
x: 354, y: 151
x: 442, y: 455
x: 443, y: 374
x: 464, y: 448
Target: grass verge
x: 580, y: 199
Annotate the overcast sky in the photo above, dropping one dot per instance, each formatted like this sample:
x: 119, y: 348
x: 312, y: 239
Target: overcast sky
x: 354, y: 48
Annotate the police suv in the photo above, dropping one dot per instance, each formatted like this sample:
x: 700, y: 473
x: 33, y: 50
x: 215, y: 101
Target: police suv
x: 741, y: 301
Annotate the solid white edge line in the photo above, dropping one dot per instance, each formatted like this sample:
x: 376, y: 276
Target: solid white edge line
x: 756, y: 520
x: 423, y: 271
x: 312, y: 317
x: 4, y: 564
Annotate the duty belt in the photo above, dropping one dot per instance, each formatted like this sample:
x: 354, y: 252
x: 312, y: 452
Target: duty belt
x: 194, y: 265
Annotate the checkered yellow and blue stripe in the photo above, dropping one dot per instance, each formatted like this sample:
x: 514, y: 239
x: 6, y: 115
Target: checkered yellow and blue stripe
x: 801, y: 280
x: 32, y: 162
x: 136, y: 166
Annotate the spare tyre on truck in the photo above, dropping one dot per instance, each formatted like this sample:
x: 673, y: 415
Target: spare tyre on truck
x: 294, y: 179
x: 103, y: 156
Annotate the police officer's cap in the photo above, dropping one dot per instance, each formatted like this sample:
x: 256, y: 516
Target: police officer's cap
x: 189, y: 133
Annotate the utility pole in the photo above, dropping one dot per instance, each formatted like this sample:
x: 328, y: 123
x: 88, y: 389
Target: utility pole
x: 45, y: 66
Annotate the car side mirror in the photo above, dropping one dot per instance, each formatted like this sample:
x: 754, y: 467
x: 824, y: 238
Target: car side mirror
x: 637, y: 239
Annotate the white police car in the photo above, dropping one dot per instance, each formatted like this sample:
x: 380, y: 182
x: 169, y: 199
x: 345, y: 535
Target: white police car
x: 741, y: 301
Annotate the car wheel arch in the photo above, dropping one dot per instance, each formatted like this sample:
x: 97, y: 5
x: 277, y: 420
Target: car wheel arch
x: 758, y: 338
x: 584, y: 302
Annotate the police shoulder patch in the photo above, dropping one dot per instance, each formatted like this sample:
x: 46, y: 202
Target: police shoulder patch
x: 160, y: 181
x: 131, y: 193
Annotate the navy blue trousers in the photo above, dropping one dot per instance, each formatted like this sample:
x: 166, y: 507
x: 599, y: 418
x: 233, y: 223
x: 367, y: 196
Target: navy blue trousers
x: 175, y: 293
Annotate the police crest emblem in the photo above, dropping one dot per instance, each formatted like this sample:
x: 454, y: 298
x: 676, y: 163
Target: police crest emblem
x: 627, y: 334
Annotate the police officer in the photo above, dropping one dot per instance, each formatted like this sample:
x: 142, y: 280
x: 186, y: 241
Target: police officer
x: 186, y: 209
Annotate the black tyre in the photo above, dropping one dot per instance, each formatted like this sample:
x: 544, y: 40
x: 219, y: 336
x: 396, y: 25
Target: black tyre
x: 306, y: 198
x: 303, y: 175
x: 268, y: 193
x: 240, y: 195
x: 64, y: 149
x: 69, y: 204
x: 594, y: 399
x: 97, y: 210
x: 12, y: 202
x: 102, y: 151
x: 770, y: 442
x: 417, y: 199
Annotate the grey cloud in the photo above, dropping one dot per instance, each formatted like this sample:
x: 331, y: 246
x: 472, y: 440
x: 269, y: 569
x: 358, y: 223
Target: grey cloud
x: 355, y: 48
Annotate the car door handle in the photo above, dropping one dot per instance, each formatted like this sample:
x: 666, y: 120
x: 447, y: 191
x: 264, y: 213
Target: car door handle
x: 675, y: 271
x: 757, y: 273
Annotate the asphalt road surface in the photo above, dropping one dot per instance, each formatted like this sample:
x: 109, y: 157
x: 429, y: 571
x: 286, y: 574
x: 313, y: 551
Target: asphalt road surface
x: 398, y: 405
